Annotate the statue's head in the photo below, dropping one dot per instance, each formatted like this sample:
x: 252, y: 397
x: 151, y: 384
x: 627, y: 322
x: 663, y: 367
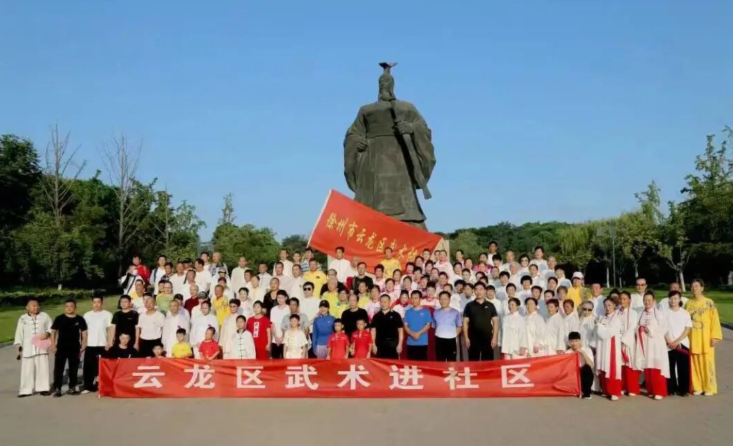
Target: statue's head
x: 386, y: 83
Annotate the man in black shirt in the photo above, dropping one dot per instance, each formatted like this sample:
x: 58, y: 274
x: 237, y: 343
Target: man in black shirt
x: 69, y: 339
x: 480, y: 326
x: 361, y: 277
x: 124, y: 321
x: 387, y: 331
x: 353, y: 314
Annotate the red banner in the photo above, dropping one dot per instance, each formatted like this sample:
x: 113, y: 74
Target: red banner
x: 364, y: 233
x: 357, y: 378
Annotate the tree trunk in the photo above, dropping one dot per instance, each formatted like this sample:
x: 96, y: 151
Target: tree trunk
x: 636, y: 271
x: 682, y: 281
x: 608, y: 277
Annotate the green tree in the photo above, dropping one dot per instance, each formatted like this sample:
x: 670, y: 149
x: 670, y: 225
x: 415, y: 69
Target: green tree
x: 575, y: 245
x: 295, y: 243
x: 466, y: 241
x: 227, y: 212
x: 257, y: 244
x: 638, y: 231
x: 172, y: 231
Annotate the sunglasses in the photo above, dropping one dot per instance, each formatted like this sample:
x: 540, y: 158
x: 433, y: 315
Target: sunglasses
x: 587, y: 309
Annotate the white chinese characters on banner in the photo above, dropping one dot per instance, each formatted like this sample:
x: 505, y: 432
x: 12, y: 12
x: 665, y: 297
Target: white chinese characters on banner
x: 460, y: 380
x: 201, y: 377
x: 249, y: 377
x: 406, y: 378
x: 353, y: 376
x: 299, y: 377
x: 148, y: 375
x: 515, y: 376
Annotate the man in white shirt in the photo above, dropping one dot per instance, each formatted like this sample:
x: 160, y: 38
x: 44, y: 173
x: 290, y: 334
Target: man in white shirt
x: 175, y: 318
x: 149, y: 328
x: 637, y: 299
x: 265, y: 277
x: 296, y: 283
x: 309, y: 304
x: 32, y: 342
x: 158, y: 273
x: 341, y: 265
x: 550, y: 271
x: 237, y: 276
x: 597, y: 298
x: 280, y: 275
x: 514, y: 275
x: 178, y: 279
x: 99, y: 339
x: 503, y: 282
x: 663, y: 304
x: 287, y: 264
x: 534, y: 274
x: 509, y: 259
x: 561, y: 279
x: 203, y: 276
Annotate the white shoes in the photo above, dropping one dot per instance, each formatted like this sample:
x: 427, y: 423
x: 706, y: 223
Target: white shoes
x: 697, y: 393
x: 614, y: 398
x: 708, y: 394
x: 631, y: 394
x: 657, y: 397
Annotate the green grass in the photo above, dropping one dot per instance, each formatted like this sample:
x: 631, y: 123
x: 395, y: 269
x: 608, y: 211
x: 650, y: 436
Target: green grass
x: 9, y: 315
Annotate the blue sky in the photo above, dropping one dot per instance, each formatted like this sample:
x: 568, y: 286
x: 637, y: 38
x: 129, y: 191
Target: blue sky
x: 540, y: 110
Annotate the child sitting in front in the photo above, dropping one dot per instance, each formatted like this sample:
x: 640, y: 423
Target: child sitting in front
x: 181, y: 349
x: 209, y: 348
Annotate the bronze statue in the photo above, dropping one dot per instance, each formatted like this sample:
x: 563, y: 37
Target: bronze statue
x: 388, y: 155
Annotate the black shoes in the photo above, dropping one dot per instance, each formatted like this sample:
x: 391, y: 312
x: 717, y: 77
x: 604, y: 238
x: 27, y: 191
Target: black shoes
x: 57, y: 393
x: 45, y: 393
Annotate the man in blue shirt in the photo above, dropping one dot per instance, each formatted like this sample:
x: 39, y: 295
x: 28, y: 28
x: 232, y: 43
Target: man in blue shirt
x: 417, y: 323
x: 447, y: 324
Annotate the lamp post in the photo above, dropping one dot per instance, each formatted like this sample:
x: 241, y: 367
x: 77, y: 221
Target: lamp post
x: 612, y: 229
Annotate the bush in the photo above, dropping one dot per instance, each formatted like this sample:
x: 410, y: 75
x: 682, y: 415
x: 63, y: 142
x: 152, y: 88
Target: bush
x: 19, y: 298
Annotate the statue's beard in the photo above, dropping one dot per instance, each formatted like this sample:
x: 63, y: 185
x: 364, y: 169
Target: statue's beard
x: 386, y: 94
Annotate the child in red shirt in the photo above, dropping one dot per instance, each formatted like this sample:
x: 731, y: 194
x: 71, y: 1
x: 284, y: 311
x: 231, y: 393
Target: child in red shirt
x: 209, y: 348
x: 261, y: 329
x: 361, y: 341
x: 338, y: 343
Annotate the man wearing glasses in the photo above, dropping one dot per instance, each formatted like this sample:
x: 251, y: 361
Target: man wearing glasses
x: 637, y: 299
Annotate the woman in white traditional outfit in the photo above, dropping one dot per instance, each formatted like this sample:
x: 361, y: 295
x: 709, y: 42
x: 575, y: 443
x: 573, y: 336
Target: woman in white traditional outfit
x: 629, y: 320
x: 608, y: 351
x: 651, y: 348
x: 513, y: 332
x: 535, y: 329
x: 175, y: 318
x: 200, y: 324
x: 241, y: 344
x: 571, y: 319
x: 555, y: 335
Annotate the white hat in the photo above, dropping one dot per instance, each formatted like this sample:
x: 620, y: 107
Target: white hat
x: 578, y: 275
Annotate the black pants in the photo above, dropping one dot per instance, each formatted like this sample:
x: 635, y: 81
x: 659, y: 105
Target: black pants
x: 445, y: 349
x: 91, y: 367
x: 276, y: 351
x: 146, y: 347
x: 480, y: 350
x: 679, y: 372
x: 387, y: 352
x: 417, y: 352
x: 586, y: 379
x: 62, y: 357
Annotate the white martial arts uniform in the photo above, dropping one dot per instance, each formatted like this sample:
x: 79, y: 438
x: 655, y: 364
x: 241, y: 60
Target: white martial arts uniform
x: 513, y: 335
x: 535, y: 324
x: 240, y: 345
x: 555, y: 336
x: 34, y: 363
x: 170, y: 327
x: 228, y: 328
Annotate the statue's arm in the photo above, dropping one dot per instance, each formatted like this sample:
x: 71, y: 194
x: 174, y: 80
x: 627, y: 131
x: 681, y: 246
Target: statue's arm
x: 354, y: 143
x: 423, y: 143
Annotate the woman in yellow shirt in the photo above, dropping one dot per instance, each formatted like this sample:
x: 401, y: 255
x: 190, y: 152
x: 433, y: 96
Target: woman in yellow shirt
x: 705, y: 334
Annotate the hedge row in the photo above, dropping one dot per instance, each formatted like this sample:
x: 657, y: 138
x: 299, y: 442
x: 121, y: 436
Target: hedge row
x: 15, y: 298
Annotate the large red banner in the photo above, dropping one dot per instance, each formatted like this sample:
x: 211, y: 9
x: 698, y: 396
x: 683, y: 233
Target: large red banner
x: 357, y: 378
x: 364, y: 233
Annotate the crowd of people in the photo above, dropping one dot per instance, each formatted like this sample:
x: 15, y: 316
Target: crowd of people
x: 435, y: 309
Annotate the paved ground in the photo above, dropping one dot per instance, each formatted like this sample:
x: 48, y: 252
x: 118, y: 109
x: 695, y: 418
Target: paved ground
x: 87, y: 420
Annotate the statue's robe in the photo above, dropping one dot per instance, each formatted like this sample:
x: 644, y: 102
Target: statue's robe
x: 381, y: 176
